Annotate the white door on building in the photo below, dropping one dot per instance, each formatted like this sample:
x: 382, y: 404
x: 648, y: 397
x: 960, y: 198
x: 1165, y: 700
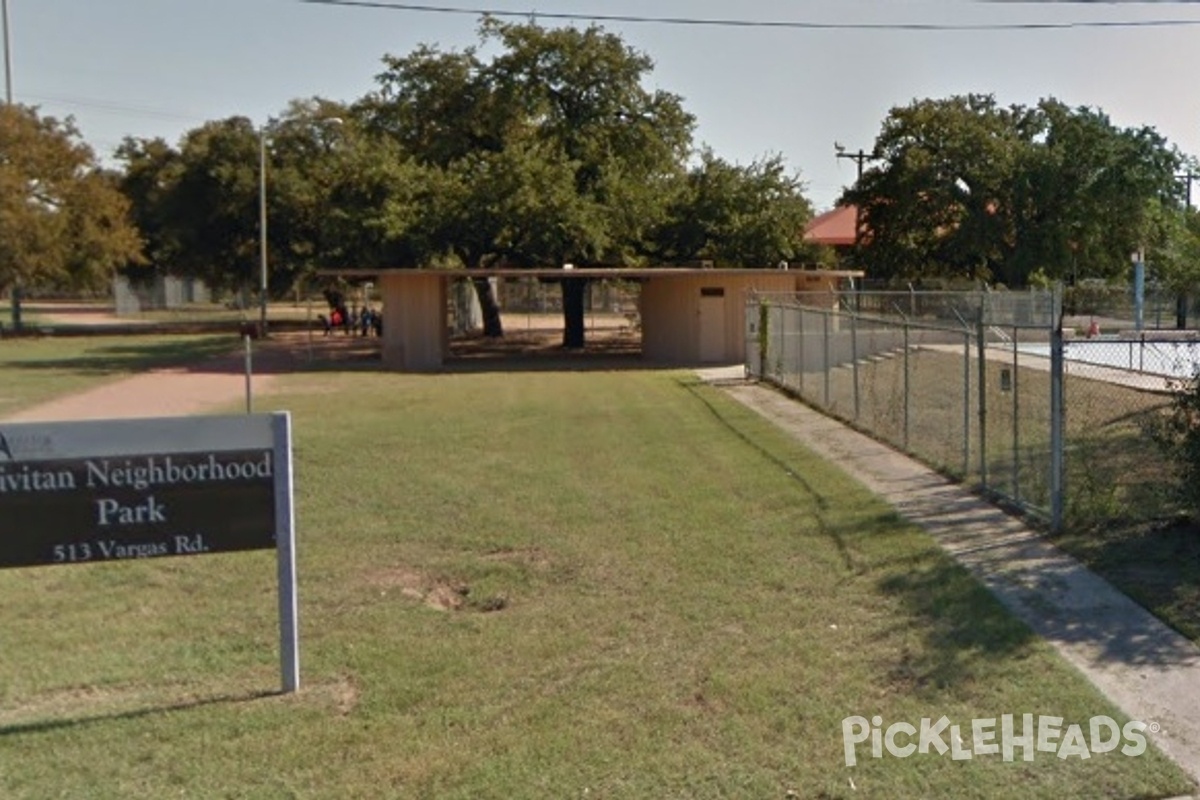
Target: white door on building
x: 712, y: 324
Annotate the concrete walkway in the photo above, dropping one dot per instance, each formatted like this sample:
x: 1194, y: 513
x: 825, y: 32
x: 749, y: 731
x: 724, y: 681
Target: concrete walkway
x: 1148, y: 670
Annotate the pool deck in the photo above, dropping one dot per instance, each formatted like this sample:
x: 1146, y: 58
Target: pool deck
x: 1142, y: 381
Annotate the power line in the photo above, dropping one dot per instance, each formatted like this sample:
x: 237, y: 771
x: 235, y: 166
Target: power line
x: 1090, y: 2
x: 111, y: 107
x: 747, y: 23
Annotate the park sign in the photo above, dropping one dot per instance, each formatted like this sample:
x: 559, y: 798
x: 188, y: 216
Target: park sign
x: 109, y: 490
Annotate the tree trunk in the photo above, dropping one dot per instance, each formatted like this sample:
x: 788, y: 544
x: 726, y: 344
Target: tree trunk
x: 492, y: 327
x: 17, y: 297
x: 573, y: 318
x: 1181, y: 310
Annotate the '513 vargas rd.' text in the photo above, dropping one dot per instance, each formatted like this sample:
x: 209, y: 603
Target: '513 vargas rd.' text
x: 113, y: 549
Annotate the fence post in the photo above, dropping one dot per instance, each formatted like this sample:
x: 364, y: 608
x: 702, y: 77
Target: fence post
x: 1016, y: 415
x: 906, y: 392
x: 764, y: 337
x: 854, y: 356
x: 981, y: 342
x: 825, y: 321
x: 1057, y: 428
x: 800, y: 362
x: 751, y: 331
x: 781, y: 362
x: 966, y: 404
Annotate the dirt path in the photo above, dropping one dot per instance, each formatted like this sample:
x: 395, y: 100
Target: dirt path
x: 211, y: 386
x: 162, y: 393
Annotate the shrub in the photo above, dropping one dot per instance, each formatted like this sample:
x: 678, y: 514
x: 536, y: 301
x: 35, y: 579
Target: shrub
x: 1178, y: 432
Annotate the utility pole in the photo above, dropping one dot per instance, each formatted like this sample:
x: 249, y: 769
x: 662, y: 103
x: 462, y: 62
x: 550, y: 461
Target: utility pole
x: 262, y: 232
x: 859, y: 158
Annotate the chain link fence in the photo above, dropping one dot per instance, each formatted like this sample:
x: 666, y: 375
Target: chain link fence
x: 1116, y: 307
x: 1117, y: 390
x: 906, y: 383
x: 984, y: 388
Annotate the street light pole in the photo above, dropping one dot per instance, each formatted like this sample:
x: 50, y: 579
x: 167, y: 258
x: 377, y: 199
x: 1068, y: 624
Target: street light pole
x: 8, y: 94
x: 262, y: 233
x: 8, y: 99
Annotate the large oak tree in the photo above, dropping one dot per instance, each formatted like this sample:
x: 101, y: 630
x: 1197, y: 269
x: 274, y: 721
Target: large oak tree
x: 555, y: 148
x: 63, y: 223
x: 963, y: 187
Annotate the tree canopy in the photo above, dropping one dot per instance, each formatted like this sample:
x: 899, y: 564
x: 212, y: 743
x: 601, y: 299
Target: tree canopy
x: 964, y: 187
x: 553, y: 149
x: 734, y: 215
x: 63, y: 223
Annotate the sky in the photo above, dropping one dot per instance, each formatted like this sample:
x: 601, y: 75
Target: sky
x: 157, y: 68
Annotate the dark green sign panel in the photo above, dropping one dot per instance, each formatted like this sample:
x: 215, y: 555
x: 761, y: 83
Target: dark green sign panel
x: 91, y: 506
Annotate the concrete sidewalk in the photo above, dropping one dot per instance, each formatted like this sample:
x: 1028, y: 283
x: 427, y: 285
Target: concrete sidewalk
x: 1148, y: 670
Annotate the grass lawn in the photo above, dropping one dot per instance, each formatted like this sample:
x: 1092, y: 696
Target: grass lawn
x: 276, y: 311
x: 36, y: 369
x: 537, y: 585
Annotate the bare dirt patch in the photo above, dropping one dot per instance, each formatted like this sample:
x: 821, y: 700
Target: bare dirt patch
x: 437, y: 593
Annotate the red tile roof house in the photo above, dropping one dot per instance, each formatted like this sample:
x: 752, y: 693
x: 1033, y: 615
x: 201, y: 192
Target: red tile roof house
x: 835, y: 228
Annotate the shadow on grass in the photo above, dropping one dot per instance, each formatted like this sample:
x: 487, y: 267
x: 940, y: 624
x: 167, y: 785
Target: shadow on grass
x: 220, y: 354
x: 44, y: 726
x: 1060, y: 598
x: 819, y: 500
x: 1158, y: 565
x: 305, y: 351
x: 131, y: 356
x: 959, y: 621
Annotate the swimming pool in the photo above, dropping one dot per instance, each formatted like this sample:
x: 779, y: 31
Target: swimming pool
x: 1171, y: 359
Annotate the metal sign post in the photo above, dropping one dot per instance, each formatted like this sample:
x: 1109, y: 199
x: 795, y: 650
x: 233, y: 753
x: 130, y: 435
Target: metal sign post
x: 285, y: 549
